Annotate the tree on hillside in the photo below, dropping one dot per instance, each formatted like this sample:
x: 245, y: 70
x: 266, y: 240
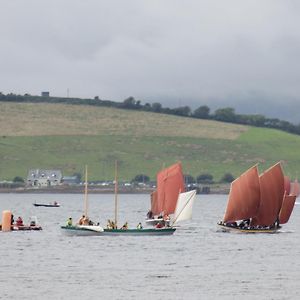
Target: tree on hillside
x: 182, y: 111
x: 188, y: 179
x: 129, y: 103
x: 225, y: 114
x: 205, y: 178
x: 228, y: 178
x: 141, y: 178
x: 156, y: 107
x: 147, y: 107
x: 18, y: 179
x: 202, y: 112
x: 254, y: 120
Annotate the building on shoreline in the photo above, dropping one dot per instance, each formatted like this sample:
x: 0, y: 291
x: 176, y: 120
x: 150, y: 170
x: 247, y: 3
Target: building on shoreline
x: 43, y: 178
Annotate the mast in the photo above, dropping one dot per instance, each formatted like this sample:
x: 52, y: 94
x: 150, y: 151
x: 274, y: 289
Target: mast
x: 85, y: 193
x: 116, y: 193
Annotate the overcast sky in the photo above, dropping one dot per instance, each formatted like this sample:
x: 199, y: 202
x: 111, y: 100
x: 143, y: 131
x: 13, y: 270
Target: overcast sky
x: 242, y: 53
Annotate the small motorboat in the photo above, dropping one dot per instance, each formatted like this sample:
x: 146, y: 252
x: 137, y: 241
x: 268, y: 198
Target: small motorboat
x: 54, y: 204
x: 33, y: 225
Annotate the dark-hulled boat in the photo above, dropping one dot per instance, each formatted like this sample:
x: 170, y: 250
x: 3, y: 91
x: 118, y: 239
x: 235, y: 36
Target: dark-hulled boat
x: 258, y: 204
x: 47, y: 205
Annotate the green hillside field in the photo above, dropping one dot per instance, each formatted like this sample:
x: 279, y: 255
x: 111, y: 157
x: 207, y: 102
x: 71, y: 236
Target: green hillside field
x: 66, y: 137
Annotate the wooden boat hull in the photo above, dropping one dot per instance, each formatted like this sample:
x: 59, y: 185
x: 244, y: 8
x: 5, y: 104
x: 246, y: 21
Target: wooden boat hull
x: 79, y: 231
x: 46, y: 205
x: 239, y: 230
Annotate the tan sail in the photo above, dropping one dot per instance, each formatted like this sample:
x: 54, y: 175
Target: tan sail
x: 286, y: 208
x: 271, y: 196
x: 244, y: 196
x: 170, y: 183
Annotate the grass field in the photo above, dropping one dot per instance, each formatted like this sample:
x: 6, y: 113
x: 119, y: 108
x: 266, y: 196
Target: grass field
x: 67, y: 137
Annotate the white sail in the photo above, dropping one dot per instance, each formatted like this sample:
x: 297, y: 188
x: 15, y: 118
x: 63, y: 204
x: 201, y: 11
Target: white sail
x: 184, y: 206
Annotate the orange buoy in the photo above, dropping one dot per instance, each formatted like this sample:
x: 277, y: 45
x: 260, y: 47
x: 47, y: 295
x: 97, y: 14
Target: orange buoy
x: 6, y: 220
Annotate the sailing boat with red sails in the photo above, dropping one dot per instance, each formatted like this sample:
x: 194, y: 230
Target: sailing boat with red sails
x: 170, y: 198
x: 258, y: 203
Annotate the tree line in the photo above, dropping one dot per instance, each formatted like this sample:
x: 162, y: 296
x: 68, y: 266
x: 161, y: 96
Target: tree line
x: 204, y: 178
x: 226, y: 114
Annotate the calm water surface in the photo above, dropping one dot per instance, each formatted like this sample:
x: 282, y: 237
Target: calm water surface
x: 197, y: 262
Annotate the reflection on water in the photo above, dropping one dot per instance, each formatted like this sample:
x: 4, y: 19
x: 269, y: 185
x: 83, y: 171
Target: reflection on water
x: 198, y: 262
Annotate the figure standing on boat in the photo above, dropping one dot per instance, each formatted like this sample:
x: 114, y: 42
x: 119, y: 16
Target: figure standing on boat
x: 125, y: 226
x: 84, y: 220
x: 167, y: 220
x: 69, y: 222
x: 111, y: 224
x: 19, y: 221
x: 150, y: 214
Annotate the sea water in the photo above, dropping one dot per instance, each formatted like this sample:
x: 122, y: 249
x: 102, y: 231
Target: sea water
x: 197, y: 262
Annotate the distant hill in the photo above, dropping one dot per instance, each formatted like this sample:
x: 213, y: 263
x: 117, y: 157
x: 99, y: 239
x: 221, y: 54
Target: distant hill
x: 43, y: 135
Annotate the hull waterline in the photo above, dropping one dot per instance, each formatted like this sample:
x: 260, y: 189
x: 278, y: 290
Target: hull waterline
x: 78, y: 231
x: 140, y: 232
x: 239, y: 230
x: 46, y: 205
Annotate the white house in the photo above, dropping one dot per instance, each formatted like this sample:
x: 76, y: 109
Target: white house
x: 44, y: 178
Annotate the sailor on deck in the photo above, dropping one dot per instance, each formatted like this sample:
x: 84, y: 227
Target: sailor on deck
x: 69, y: 222
x: 150, y: 215
x: 125, y: 226
x: 83, y: 220
x: 167, y: 220
x: 19, y: 221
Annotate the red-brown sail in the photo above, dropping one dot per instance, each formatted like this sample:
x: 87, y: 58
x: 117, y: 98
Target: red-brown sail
x: 170, y: 183
x: 244, y: 196
x: 287, y: 185
x: 286, y: 208
x: 295, y: 188
x: 271, y: 196
x: 154, y: 203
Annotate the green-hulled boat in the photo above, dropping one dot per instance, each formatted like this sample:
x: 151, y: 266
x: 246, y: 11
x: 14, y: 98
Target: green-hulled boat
x: 94, y: 230
x: 97, y: 230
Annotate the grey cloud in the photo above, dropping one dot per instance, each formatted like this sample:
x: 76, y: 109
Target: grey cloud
x: 175, y: 52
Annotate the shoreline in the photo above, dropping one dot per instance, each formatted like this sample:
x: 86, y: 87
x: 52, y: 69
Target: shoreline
x: 97, y: 190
